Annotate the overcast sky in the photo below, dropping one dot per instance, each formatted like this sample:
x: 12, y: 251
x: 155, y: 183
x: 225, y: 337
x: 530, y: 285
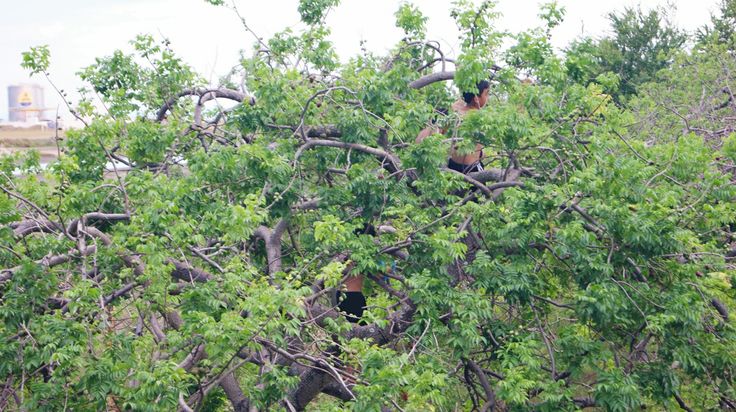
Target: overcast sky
x: 208, y: 37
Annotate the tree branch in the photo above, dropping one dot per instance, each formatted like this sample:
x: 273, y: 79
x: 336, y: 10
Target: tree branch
x: 234, y: 393
x: 205, y: 95
x: 272, y: 239
x: 490, y: 394
x: 682, y: 403
x: 431, y: 78
x: 495, y: 175
x: 391, y: 162
x: 483, y: 188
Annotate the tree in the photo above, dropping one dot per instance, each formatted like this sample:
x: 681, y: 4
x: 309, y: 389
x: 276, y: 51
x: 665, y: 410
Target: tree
x: 642, y: 44
x: 722, y: 29
x: 584, y: 267
x: 694, y: 96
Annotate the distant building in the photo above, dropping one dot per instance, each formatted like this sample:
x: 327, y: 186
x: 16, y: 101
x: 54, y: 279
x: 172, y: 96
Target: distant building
x: 26, y: 104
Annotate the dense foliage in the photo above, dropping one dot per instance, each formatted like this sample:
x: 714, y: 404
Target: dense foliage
x: 722, y: 27
x: 182, y: 253
x: 641, y: 44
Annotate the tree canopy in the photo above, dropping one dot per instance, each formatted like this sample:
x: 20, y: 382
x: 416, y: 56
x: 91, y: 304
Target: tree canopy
x: 641, y: 44
x: 182, y: 253
x: 722, y: 27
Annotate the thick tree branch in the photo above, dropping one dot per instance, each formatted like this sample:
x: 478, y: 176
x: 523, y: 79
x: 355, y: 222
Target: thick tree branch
x: 479, y: 185
x: 198, y: 353
x: 721, y: 308
x: 187, y: 273
x: 314, y: 381
x: 26, y: 227
x: 205, y: 95
x: 234, y: 393
x: 431, y: 78
x: 495, y: 175
x: 682, y: 403
x: 439, y: 77
x: 48, y: 262
x: 483, y: 379
x: 584, y: 402
x: 272, y: 239
x: 390, y: 161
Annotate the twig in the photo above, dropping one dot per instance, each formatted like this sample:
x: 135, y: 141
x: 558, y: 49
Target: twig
x: 426, y: 328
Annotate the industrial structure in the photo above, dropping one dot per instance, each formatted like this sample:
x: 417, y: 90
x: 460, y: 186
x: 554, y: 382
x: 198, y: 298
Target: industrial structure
x: 30, y: 125
x: 26, y: 104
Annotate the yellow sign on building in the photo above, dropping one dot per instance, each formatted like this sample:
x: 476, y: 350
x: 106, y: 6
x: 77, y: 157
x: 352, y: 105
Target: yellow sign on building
x: 25, y: 99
